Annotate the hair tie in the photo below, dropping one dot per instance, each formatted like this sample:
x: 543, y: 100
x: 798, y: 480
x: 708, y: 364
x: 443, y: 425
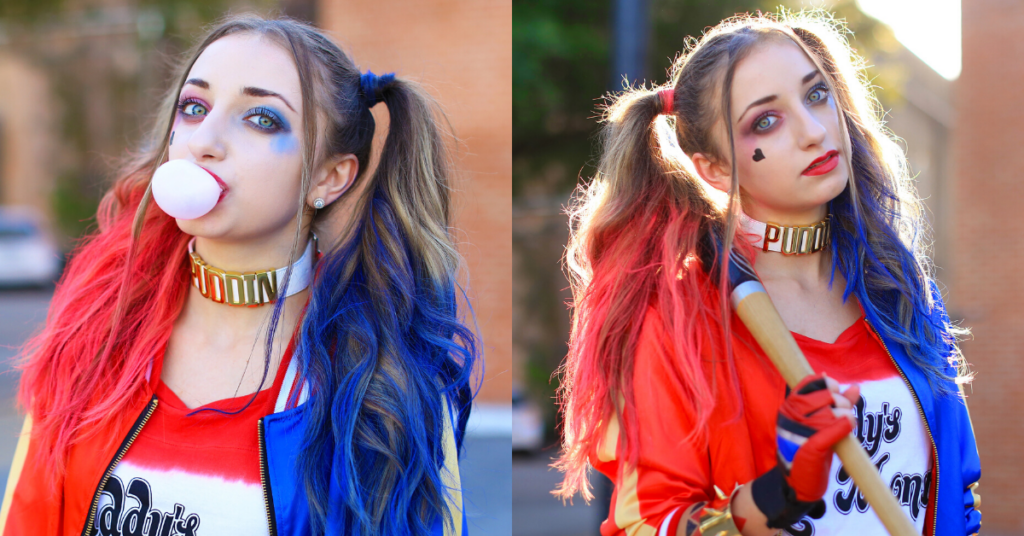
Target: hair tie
x: 667, y: 97
x: 370, y: 84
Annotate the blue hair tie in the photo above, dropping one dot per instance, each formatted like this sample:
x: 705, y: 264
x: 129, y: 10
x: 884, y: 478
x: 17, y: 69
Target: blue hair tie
x: 370, y: 84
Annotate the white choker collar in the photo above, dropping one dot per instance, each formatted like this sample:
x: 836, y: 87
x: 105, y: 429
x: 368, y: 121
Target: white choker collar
x: 792, y: 240
x: 251, y: 289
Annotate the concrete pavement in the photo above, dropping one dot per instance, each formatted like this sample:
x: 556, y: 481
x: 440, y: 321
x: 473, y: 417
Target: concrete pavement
x: 538, y: 513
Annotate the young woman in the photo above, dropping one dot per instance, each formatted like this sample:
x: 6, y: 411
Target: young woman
x: 165, y: 397
x: 666, y: 392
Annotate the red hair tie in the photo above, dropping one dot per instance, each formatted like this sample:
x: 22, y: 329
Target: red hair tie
x: 667, y: 96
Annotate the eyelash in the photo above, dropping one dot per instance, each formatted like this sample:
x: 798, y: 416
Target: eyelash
x: 259, y: 110
x: 820, y: 86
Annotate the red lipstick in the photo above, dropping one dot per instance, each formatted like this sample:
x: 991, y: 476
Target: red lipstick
x: 823, y: 164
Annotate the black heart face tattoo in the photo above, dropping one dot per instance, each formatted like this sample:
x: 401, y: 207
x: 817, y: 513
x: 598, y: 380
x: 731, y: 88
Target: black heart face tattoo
x: 758, y: 155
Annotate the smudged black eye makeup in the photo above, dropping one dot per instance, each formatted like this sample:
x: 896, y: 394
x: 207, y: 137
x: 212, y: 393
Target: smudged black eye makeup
x: 172, y: 138
x: 758, y: 155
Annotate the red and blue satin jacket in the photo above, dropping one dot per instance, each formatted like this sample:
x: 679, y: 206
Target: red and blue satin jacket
x: 33, y: 505
x: 672, y: 477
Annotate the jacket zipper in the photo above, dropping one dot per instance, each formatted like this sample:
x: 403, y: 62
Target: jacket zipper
x: 133, y: 433
x: 268, y: 499
x: 920, y: 408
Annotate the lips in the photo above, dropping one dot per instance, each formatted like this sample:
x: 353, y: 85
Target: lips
x: 823, y: 164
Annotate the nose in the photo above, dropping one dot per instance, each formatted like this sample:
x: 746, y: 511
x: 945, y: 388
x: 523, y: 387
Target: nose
x: 207, y: 140
x: 810, y: 130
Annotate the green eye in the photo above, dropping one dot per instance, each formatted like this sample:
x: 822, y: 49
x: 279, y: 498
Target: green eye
x: 818, y: 95
x: 263, y: 121
x: 193, y: 108
x: 765, y: 122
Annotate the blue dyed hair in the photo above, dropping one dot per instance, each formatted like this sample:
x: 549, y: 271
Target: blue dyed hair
x: 382, y: 344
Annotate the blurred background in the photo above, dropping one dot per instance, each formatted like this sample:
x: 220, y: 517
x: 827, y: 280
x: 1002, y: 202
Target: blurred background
x: 948, y: 76
x: 79, y: 82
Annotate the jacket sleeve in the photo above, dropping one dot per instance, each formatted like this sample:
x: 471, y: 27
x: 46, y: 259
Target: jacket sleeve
x: 671, y: 483
x: 971, y: 470
x: 15, y: 473
x: 31, y: 505
x: 970, y: 462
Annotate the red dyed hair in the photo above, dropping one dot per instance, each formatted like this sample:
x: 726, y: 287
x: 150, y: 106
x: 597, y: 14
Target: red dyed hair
x: 630, y: 251
x: 111, y: 313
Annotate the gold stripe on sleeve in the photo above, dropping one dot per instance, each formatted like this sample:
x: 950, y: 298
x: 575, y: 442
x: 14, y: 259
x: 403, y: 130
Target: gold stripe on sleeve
x: 627, y: 508
x: 450, y: 475
x: 16, y: 465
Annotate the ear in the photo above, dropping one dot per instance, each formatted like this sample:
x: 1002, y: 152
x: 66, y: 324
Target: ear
x: 334, y: 178
x: 717, y: 174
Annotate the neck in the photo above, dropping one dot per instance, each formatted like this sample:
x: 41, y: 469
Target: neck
x: 807, y: 270
x: 250, y: 255
x: 799, y: 252
x: 223, y: 324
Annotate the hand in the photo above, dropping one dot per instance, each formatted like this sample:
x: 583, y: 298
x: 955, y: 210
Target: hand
x: 813, y: 418
x: 811, y: 421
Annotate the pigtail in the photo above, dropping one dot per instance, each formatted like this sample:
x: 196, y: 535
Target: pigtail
x: 634, y: 229
x: 386, y: 354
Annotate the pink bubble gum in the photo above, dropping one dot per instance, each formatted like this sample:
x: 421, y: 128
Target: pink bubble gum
x: 184, y: 190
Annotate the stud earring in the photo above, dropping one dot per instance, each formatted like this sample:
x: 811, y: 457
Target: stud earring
x: 318, y: 203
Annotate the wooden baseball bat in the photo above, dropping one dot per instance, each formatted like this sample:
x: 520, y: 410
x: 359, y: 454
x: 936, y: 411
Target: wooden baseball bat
x: 754, y: 307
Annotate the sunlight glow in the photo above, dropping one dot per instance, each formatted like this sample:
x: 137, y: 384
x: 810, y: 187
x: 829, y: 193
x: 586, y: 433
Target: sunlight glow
x: 928, y: 28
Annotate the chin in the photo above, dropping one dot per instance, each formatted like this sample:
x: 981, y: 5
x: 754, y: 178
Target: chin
x: 206, y: 226
x: 833, y: 189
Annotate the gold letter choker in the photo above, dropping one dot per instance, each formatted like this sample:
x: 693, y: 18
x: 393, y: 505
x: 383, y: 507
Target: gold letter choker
x: 251, y: 289
x: 795, y: 240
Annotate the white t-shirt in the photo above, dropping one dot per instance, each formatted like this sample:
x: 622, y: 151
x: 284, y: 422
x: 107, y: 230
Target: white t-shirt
x: 892, y: 431
x: 195, y: 475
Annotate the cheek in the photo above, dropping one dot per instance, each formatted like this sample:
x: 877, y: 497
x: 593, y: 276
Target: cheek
x: 828, y: 116
x: 758, y: 161
x: 178, y: 144
x: 284, y: 144
x: 753, y: 156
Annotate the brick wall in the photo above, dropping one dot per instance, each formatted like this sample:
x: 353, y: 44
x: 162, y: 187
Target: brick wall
x: 462, y: 52
x: 988, y: 226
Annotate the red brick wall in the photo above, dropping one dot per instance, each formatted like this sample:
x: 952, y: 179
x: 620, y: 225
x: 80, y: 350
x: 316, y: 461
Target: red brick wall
x: 462, y: 52
x: 988, y: 249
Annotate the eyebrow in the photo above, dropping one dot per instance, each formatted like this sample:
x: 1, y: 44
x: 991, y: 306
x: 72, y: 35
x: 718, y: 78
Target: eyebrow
x: 247, y: 90
x: 764, y: 100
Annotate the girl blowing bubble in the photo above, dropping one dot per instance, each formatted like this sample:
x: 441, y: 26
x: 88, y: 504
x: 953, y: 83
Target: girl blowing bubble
x: 146, y: 411
x: 666, y: 393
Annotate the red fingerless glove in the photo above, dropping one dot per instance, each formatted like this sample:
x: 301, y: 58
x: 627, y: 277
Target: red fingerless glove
x: 806, y: 431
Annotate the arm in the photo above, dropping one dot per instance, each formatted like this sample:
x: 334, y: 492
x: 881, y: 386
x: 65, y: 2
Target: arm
x: 971, y: 469
x: 671, y: 477
x: 671, y: 488
x: 970, y: 461
x: 811, y: 421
